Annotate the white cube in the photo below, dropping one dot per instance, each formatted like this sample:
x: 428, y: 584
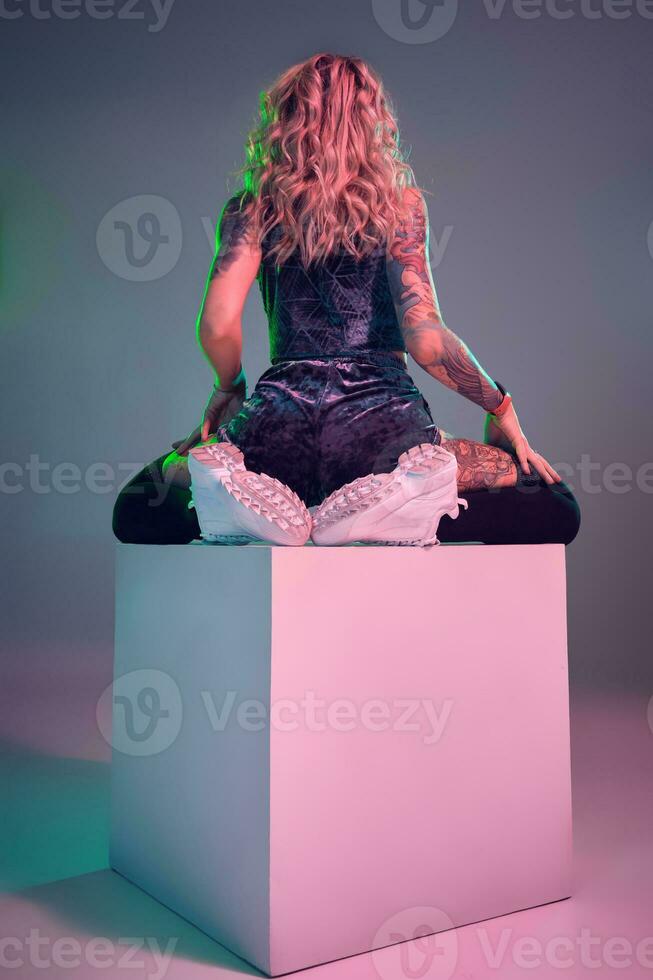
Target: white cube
x: 316, y: 747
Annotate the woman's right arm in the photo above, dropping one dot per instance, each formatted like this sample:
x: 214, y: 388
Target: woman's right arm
x: 428, y: 340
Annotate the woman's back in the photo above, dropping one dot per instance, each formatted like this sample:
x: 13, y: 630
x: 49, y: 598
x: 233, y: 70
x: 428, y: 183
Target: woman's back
x: 340, y: 305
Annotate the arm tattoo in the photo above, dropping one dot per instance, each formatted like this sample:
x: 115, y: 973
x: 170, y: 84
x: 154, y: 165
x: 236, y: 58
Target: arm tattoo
x: 435, y: 348
x: 460, y: 371
x: 232, y: 236
x: 409, y: 273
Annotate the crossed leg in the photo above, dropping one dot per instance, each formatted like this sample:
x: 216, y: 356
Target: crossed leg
x: 152, y: 511
x: 501, y: 510
x: 481, y: 467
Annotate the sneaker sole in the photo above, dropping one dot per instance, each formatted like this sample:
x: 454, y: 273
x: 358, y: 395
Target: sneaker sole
x: 271, y: 510
x: 423, y: 461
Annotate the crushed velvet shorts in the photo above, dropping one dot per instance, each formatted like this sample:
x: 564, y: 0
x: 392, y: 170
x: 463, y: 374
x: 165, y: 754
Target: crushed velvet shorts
x: 318, y: 423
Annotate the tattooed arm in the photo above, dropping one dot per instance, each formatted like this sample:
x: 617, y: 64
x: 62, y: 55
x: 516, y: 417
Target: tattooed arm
x: 433, y: 346
x: 445, y: 356
x: 219, y: 325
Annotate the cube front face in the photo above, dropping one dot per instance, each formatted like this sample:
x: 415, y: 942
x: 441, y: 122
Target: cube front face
x: 414, y: 754
x: 428, y: 766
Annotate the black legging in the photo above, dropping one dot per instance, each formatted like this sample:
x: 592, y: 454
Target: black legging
x: 149, y: 511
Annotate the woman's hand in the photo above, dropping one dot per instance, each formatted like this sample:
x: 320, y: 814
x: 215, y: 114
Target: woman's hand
x: 508, y: 425
x: 221, y: 407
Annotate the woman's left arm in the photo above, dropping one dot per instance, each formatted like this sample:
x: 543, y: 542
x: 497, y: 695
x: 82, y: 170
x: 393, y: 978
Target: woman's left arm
x: 219, y: 324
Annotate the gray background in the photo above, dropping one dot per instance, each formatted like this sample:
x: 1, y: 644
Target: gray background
x: 536, y: 138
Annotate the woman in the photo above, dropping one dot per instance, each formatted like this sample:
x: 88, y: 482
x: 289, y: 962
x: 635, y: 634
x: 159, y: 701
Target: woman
x: 332, y: 225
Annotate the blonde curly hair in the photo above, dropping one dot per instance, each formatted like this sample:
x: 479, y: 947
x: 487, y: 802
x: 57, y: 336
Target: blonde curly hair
x: 324, y: 161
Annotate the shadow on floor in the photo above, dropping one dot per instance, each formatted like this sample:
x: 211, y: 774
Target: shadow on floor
x: 104, y: 904
x: 54, y: 860
x: 55, y: 817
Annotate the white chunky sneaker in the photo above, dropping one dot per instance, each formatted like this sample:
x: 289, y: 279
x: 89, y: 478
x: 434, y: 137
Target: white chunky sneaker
x: 401, y: 508
x: 236, y: 506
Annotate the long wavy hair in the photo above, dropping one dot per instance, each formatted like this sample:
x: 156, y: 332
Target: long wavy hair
x: 324, y: 161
